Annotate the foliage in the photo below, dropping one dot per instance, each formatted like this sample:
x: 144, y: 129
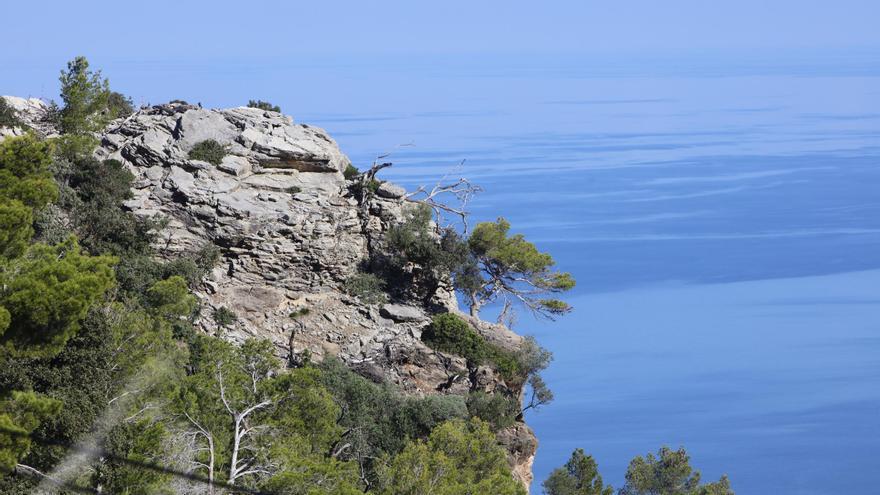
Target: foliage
x: 209, y: 151
x: 170, y: 298
x: 489, y: 265
x: 299, y: 312
x: 512, y: 268
x: 364, y: 188
x: 579, y: 476
x: 498, y: 409
x: 367, y: 287
x: 315, y: 476
x: 8, y: 115
x: 24, y: 171
x: 242, y: 413
x: 458, y: 458
x: 85, y: 94
x: 26, y: 186
x: 350, y: 172
x: 114, y: 343
x: 669, y: 473
x: 224, y: 316
x: 264, y: 105
x: 20, y: 414
x: 449, y: 333
x: 378, y: 420
x: 414, y: 241
x: 45, y: 293
x: 92, y: 204
x: 130, y: 444
x: 95, y: 202
x: 119, y: 105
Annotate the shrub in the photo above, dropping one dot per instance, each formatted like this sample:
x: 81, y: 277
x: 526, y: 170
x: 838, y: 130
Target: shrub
x: 224, y: 316
x: 208, y: 151
x: 378, y: 418
x: 499, y: 410
x: 119, y: 105
x: 366, y: 287
x: 451, y: 334
x: 8, y: 116
x: 264, y: 105
x: 299, y: 312
x: 294, y: 189
x: 350, y: 172
x: 415, y: 241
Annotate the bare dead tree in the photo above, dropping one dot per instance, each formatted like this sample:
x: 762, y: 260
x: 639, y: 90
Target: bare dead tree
x: 242, y: 431
x: 200, y: 431
x: 461, y: 190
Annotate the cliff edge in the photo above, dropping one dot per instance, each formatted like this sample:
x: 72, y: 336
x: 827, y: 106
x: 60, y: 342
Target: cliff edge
x: 290, y: 230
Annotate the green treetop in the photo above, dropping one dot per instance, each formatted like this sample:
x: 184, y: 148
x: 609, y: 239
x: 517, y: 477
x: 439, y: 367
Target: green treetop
x: 85, y: 94
x: 512, y: 268
x: 250, y: 422
x: 669, y: 473
x: 46, y: 292
x: 579, y: 476
x: 89, y: 105
x: 458, y: 458
x: 26, y: 186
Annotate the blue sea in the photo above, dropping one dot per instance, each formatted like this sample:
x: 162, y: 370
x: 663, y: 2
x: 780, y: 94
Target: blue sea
x: 721, y: 217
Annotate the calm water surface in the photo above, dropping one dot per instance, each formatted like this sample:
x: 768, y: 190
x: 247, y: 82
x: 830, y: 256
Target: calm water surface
x: 722, y: 220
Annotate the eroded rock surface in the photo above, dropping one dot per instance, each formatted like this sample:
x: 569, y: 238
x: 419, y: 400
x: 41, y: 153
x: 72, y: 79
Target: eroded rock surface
x: 290, y: 232
x: 32, y: 112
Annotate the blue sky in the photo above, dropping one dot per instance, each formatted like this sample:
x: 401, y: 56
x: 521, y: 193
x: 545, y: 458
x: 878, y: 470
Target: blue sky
x: 162, y: 29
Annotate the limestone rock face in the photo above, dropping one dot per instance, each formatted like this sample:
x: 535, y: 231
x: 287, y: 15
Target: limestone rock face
x: 290, y: 232
x: 32, y: 112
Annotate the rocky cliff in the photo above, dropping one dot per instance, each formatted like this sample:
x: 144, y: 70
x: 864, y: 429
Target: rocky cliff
x: 290, y: 232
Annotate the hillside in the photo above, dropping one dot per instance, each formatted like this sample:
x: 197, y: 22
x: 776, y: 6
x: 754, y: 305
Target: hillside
x: 292, y: 227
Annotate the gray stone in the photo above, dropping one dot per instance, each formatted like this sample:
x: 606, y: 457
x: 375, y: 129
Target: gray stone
x: 402, y: 313
x: 392, y: 191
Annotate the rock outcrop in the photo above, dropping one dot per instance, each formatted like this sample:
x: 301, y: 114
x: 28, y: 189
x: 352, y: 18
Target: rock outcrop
x: 290, y: 232
x: 31, y: 111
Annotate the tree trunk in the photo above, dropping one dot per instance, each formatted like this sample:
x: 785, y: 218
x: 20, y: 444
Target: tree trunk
x: 475, y: 306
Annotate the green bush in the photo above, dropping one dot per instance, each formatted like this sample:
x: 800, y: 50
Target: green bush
x: 378, y: 418
x: 451, y: 334
x: 264, y: 105
x: 208, y: 151
x: 366, y: 287
x: 499, y: 410
x: 119, y: 105
x: 350, y: 172
x: 8, y: 116
x: 299, y: 313
x: 224, y: 316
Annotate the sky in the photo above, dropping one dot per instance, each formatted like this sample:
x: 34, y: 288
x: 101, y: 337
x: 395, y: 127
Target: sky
x: 186, y: 30
x: 687, y: 160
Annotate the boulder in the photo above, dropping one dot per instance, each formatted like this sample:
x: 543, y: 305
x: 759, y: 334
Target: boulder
x: 391, y: 191
x: 402, y: 313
